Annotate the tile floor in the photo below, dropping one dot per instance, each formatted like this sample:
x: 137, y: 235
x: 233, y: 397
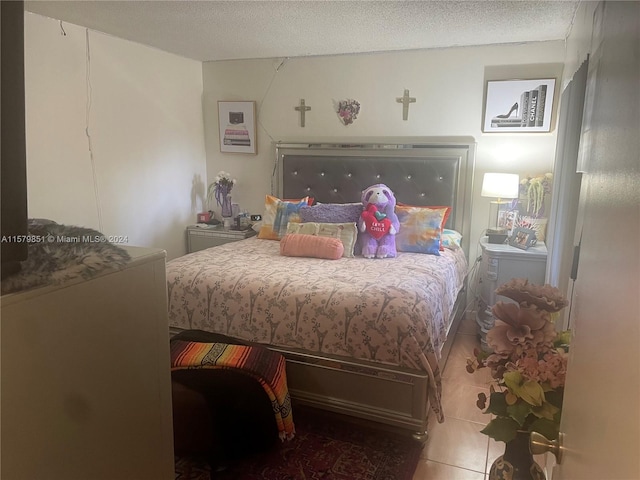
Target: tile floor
x: 456, y: 450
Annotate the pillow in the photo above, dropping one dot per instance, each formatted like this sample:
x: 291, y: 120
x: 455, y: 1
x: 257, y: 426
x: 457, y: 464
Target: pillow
x: 310, y: 200
x: 332, y: 213
x: 302, y: 245
x: 303, y: 228
x: 347, y: 233
x: 451, y: 239
x: 444, y: 220
x: 420, y: 228
x: 277, y: 214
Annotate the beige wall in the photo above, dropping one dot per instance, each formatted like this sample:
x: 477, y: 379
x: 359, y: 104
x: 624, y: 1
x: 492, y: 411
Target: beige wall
x: 146, y: 134
x: 448, y: 84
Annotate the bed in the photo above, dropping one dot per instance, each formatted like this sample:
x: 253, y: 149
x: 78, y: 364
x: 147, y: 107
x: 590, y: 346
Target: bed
x: 365, y: 337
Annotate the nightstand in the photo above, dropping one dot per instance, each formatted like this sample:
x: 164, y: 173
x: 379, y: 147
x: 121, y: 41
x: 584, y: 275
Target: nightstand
x: 206, y: 236
x: 500, y: 263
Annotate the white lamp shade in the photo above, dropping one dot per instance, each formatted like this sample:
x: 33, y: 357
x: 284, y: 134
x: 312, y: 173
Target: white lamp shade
x: 500, y: 185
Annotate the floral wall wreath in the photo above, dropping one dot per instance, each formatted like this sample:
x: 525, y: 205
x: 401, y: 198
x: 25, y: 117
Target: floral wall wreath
x: 348, y: 110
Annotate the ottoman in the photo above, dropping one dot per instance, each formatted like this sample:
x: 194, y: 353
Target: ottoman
x: 221, y: 414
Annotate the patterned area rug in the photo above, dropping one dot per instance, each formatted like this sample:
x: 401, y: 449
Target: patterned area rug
x: 327, y: 447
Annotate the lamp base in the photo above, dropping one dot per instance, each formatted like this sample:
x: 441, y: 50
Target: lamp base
x: 497, y: 235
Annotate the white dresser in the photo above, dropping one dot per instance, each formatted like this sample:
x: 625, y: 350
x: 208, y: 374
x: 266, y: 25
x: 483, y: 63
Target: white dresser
x: 86, y: 386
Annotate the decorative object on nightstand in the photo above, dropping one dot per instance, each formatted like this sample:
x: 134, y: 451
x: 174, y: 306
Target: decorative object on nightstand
x: 533, y: 191
x: 203, y: 236
x: 498, y: 265
x: 220, y: 190
x: 528, y: 365
x: 500, y: 186
x: 523, y: 238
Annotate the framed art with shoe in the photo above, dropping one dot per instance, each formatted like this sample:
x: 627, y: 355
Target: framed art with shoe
x: 519, y: 106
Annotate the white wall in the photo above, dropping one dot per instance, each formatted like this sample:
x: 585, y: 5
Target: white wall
x: 449, y: 86
x: 143, y: 110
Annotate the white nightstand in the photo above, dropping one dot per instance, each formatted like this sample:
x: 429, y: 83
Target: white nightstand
x: 201, y: 237
x: 500, y: 263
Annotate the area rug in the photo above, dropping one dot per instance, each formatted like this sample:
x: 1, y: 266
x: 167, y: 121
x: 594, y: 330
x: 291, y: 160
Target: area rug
x: 326, y: 447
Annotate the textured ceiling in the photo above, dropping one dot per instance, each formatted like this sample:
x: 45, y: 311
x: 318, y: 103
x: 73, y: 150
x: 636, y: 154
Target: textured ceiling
x: 223, y: 30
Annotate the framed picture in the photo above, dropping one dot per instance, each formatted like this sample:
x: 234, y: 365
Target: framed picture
x: 519, y: 105
x: 522, y: 238
x: 237, y: 125
x: 508, y: 219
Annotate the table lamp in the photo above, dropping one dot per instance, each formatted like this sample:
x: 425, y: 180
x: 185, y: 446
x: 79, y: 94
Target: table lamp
x: 501, y: 186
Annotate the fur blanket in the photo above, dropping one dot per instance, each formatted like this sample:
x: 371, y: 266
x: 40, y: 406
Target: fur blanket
x: 60, y: 253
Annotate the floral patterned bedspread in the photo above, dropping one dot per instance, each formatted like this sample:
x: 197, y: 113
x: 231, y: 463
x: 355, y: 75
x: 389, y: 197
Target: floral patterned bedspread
x: 392, y: 311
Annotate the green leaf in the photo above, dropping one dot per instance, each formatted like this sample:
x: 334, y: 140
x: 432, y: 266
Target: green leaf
x: 501, y: 429
x: 528, y: 390
x: 554, y: 397
x: 497, y: 405
x: 545, y: 411
x: 563, y: 339
x: 546, y: 427
x: 519, y: 411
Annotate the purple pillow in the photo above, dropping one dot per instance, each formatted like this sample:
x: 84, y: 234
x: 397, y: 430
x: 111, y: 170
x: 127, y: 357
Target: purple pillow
x: 331, y: 213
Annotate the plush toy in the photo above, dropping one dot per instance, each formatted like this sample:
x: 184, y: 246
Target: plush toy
x: 378, y: 222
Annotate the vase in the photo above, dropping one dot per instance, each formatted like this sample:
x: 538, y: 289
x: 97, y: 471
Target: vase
x: 226, y: 206
x: 538, y: 225
x: 517, y: 463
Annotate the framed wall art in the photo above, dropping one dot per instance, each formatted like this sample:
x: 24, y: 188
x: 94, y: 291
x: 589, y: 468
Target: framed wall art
x: 519, y: 106
x: 237, y: 125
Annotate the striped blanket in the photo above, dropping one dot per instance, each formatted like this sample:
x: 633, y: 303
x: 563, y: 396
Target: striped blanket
x: 265, y: 366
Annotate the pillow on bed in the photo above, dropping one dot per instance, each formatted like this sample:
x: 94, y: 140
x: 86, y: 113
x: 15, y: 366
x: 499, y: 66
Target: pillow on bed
x: 302, y: 245
x: 420, y: 228
x: 277, y: 214
x: 305, y: 228
x: 332, y: 213
x: 451, y: 239
x: 444, y: 220
x: 347, y: 233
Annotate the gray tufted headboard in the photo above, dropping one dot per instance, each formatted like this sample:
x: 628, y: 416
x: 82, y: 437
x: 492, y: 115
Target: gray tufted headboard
x: 418, y: 174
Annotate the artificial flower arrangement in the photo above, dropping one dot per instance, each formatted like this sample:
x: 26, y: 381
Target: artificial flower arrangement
x: 528, y: 363
x: 534, y: 189
x: 220, y: 190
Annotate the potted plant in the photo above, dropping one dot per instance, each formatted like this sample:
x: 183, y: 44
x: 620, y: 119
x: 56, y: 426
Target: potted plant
x: 533, y: 192
x: 528, y: 366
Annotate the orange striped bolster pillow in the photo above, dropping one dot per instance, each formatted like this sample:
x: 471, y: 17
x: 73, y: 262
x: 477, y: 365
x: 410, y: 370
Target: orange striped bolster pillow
x: 303, y: 245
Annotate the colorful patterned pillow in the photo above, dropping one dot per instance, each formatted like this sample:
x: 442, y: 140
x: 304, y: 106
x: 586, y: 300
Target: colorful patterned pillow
x: 444, y: 220
x: 451, y: 239
x: 277, y: 214
x: 347, y: 233
x: 420, y: 228
x: 332, y: 213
